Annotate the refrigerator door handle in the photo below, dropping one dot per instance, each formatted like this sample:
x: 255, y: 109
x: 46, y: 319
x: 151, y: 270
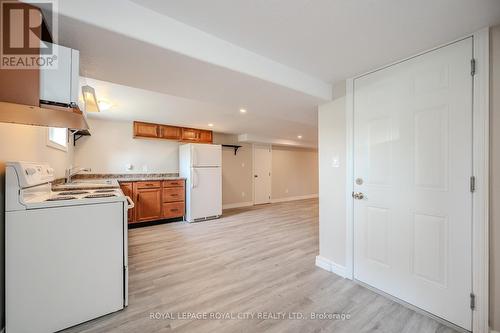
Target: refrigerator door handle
x: 193, y: 154
x: 193, y: 177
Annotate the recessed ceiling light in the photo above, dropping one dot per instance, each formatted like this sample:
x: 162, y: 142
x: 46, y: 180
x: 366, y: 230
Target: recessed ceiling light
x: 299, y: 136
x: 104, y: 105
x: 243, y: 111
x: 210, y: 125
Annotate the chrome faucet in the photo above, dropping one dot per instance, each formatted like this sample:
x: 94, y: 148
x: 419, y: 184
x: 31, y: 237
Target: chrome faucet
x: 70, y: 172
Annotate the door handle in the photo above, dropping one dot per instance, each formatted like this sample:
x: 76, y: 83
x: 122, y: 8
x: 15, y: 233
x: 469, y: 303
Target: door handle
x: 358, y: 195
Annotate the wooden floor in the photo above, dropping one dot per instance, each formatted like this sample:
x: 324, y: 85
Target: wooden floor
x: 255, y: 261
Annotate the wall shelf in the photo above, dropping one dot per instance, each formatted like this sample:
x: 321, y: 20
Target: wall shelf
x: 235, y: 147
x: 78, y: 135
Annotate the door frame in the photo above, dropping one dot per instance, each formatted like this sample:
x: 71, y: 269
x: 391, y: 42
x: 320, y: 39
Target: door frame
x: 253, y: 170
x: 480, y: 201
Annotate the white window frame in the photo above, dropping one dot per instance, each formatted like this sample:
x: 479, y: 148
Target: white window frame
x: 54, y: 144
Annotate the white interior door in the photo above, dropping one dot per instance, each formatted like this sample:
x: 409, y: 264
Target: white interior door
x: 262, y: 156
x: 413, y: 163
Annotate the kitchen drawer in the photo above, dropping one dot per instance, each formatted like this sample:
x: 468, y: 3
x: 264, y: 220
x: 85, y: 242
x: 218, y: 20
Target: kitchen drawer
x: 173, y: 183
x: 173, y: 209
x: 151, y: 184
x: 172, y: 194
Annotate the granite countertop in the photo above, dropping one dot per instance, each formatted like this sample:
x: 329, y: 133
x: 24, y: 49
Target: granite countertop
x: 103, y: 181
x: 129, y: 177
x: 145, y: 179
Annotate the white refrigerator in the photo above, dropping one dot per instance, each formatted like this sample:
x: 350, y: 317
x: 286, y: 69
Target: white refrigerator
x: 201, y: 165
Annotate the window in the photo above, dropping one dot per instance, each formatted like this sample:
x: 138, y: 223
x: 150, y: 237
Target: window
x: 57, y: 138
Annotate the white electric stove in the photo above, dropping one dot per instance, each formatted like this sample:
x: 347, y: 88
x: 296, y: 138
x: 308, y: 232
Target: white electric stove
x: 65, y: 252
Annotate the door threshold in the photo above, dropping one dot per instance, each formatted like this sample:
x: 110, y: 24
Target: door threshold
x: 412, y: 307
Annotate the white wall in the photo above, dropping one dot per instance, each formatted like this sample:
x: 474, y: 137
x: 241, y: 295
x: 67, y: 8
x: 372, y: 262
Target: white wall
x: 28, y: 143
x: 294, y: 173
x: 293, y: 169
x: 332, y: 185
x: 112, y: 146
x: 236, y: 171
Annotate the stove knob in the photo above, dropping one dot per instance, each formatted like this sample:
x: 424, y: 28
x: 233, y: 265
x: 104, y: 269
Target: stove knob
x: 30, y: 171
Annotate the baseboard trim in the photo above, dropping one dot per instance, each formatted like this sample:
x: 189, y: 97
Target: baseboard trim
x: 330, y: 266
x: 237, y: 205
x: 300, y: 197
x: 493, y: 331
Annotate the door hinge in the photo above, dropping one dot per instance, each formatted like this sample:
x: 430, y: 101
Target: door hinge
x: 472, y: 184
x: 472, y: 301
x: 473, y: 67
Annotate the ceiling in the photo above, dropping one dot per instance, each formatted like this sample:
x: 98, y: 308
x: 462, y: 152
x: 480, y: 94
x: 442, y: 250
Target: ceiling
x: 131, y: 104
x: 194, y: 62
x: 333, y: 39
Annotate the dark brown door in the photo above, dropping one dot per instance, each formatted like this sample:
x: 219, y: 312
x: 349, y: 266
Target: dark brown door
x: 146, y: 130
x: 148, y: 204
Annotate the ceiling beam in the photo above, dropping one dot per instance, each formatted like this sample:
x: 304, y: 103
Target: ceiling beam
x: 137, y: 22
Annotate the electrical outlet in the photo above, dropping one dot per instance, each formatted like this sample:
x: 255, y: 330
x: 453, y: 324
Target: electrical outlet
x: 242, y: 165
x: 286, y: 190
x: 243, y: 194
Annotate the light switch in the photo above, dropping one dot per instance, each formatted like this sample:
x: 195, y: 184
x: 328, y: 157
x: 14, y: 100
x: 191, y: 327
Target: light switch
x: 336, y: 161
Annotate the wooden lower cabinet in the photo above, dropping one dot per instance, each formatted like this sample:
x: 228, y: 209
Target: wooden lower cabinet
x: 147, y: 204
x: 173, y: 209
x: 155, y: 200
x: 128, y: 190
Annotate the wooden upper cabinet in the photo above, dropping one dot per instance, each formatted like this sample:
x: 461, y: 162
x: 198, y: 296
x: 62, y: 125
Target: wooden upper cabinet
x: 206, y: 136
x: 170, y: 132
x: 150, y: 130
x: 190, y: 135
x: 146, y: 130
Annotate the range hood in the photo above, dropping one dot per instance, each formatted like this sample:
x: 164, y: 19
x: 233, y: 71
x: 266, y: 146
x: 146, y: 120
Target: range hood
x: 53, y: 103
x: 43, y: 115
